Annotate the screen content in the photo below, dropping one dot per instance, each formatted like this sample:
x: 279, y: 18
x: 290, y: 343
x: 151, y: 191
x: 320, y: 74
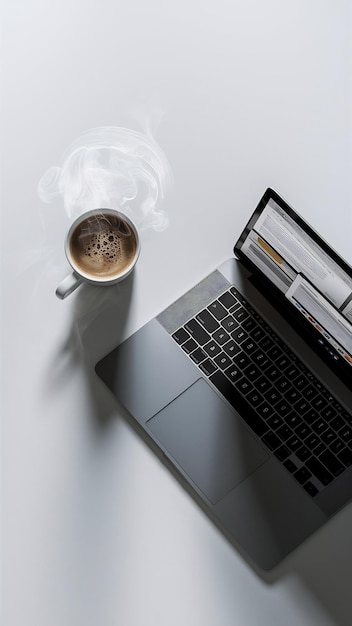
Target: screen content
x: 315, y: 284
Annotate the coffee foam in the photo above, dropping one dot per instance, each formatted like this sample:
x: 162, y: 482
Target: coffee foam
x: 103, y: 246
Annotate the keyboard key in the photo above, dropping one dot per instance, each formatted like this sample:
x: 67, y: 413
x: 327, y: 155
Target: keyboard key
x: 255, y: 398
x: 275, y: 421
x: 252, y: 372
x: 319, y: 449
x: 302, y: 406
x: 336, y: 404
x: 282, y: 384
x: 331, y: 462
x: 262, y: 384
x: 290, y: 466
x: 275, y: 352
x: 329, y: 436
x: 198, y: 356
x: 309, y: 375
x: 239, y: 335
x: 229, y: 323
x: 345, y: 457
x: 273, y: 373
x: 249, y: 324
x: 248, y: 346
x: 284, y: 432
x: 292, y: 372
x: 319, y: 470
x: 228, y: 300
x: 302, y: 475
x: 293, y: 419
x: 217, y: 309
x: 236, y: 293
x: 303, y: 431
x: 231, y: 348
x: 212, y: 348
x: 301, y: 382
x: 181, y: 335
x: 198, y: 332
x: 208, y: 321
x: 319, y: 403
x: 244, y: 386
x: 208, y: 367
x: 271, y: 440
x: 311, y: 489
x: 282, y: 453
x: 347, y: 416
x: 303, y: 453
x: 257, y: 333
x: 336, y: 446
x: 319, y: 426
x: 265, y: 410
x: 282, y: 407
x: 261, y: 359
x: 292, y: 395
x: 294, y: 443
x: 221, y: 336
x: 309, y: 392
x: 241, y: 359
x: 235, y: 307
x: 283, y: 362
x: 233, y: 373
x: 189, y: 346
x: 345, y: 433
x: 240, y: 314
x: 272, y: 396
x: 329, y: 413
x: 266, y: 343
x: 222, y: 360
x: 337, y: 423
x: 312, y: 441
x: 311, y: 416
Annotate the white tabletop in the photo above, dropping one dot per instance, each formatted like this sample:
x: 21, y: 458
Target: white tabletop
x: 239, y: 96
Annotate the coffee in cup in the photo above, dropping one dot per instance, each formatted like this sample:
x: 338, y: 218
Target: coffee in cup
x: 102, y: 247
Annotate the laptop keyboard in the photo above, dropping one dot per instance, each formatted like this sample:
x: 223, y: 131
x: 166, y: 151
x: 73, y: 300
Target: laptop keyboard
x: 295, y: 416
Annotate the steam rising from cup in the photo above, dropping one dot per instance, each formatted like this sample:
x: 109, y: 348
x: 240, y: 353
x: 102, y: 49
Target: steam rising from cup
x: 112, y: 167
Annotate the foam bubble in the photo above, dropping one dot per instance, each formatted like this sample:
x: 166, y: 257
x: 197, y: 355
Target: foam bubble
x: 106, y: 245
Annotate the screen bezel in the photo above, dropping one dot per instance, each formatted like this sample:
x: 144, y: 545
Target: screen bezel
x: 340, y: 367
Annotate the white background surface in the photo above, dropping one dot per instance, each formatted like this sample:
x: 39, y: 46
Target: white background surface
x: 95, y: 531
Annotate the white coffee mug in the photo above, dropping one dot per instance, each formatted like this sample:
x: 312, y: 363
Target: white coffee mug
x: 102, y: 246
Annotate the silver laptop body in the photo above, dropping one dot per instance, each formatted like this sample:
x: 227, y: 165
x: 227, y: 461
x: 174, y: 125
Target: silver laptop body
x: 244, y: 385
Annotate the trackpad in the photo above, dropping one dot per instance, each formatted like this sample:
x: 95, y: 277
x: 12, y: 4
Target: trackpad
x: 207, y: 440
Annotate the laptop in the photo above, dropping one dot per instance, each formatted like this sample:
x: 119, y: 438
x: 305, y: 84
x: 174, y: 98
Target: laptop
x: 244, y: 384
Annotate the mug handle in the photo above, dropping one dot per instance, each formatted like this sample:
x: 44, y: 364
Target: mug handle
x: 68, y: 285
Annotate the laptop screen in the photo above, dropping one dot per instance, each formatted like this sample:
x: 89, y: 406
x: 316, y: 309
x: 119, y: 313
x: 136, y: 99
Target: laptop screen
x: 307, y: 273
